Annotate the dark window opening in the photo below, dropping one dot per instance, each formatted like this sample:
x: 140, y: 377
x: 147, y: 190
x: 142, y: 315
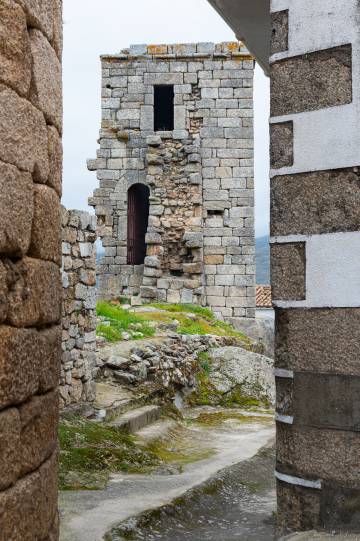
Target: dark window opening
x: 138, y: 218
x: 176, y: 273
x: 164, y: 108
x: 215, y: 212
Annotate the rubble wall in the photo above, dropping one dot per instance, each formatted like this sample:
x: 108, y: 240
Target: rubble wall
x: 30, y: 257
x: 78, y: 367
x: 200, y: 237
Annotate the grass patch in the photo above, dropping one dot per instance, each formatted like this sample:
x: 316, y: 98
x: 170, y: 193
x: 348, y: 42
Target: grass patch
x: 203, y: 323
x: 187, y: 308
x: 119, y: 321
x: 89, y: 450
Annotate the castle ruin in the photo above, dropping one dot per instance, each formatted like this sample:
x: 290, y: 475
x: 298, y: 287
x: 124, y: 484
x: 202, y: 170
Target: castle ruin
x: 175, y: 206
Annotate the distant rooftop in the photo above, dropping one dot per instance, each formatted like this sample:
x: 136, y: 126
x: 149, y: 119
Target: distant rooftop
x: 184, y: 50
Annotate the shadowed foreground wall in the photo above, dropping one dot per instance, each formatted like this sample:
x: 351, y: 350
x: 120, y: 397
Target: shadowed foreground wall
x: 315, y: 253
x: 30, y: 286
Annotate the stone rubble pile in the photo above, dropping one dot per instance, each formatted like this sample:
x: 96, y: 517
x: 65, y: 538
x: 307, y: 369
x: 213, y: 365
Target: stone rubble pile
x: 171, y: 362
x: 79, y: 307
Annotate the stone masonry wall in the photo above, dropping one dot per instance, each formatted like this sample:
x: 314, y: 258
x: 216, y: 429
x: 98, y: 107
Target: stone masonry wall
x: 78, y: 368
x: 200, y: 237
x: 30, y: 256
x: 315, y: 228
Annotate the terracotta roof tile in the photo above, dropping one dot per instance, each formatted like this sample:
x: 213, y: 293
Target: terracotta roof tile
x: 263, y: 297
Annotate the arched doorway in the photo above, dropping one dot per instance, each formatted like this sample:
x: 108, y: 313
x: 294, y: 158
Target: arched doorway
x: 138, y: 217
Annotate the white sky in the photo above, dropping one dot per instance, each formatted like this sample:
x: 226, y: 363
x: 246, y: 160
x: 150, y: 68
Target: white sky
x: 94, y: 27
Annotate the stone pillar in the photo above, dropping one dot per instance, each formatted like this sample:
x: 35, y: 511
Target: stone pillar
x: 315, y: 254
x: 30, y: 285
x: 78, y: 368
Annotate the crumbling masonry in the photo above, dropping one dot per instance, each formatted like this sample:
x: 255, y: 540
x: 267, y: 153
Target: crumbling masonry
x: 175, y: 206
x: 78, y: 367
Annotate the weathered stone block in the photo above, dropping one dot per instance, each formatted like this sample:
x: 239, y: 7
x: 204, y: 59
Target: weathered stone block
x: 298, y: 508
x: 327, y: 401
x: 45, y: 236
x: 288, y: 271
x: 318, y: 340
x: 28, y: 509
x: 46, y: 90
x: 55, y: 159
x: 23, y: 135
x: 40, y: 14
x: 324, y: 454
x: 280, y: 31
x: 282, y: 143
x: 19, y: 362
x: 312, y: 81
x: 9, y: 447
x: 39, y: 425
x: 49, y: 367
x: 35, y: 297
x: 315, y: 202
x: 15, y: 58
x: 16, y: 210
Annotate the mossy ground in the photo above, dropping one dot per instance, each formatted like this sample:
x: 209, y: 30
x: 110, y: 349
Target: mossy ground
x: 192, y: 319
x: 118, y: 320
x: 214, y: 419
x: 93, y: 449
x: 90, y: 452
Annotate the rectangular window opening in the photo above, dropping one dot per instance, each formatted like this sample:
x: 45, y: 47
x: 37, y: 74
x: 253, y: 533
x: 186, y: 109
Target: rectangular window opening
x: 164, y: 108
x: 215, y: 212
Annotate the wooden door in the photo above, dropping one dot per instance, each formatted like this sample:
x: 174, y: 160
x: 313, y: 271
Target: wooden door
x: 138, y: 218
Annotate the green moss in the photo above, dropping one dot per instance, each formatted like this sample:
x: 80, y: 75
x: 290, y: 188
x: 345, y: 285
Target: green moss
x: 120, y: 321
x: 217, y: 418
x: 206, y: 394
x: 92, y: 449
x: 177, y: 450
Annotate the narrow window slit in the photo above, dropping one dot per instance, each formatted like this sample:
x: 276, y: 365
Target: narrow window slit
x: 164, y: 108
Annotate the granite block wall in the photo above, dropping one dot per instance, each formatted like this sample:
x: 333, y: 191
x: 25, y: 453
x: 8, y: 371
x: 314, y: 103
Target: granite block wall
x: 30, y: 256
x: 315, y: 249
x: 78, y: 368
x: 200, y: 241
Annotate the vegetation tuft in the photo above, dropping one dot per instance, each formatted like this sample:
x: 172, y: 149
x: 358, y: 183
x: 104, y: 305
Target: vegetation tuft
x: 117, y: 320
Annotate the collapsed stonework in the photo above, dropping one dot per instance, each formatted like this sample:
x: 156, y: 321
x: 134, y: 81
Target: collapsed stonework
x: 79, y: 307
x: 175, y: 206
x: 30, y: 285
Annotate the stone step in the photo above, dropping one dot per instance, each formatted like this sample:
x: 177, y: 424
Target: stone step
x: 159, y: 430
x: 136, y: 419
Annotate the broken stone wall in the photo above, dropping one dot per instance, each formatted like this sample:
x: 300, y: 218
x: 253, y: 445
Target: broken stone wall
x: 200, y: 238
x: 78, y: 368
x: 30, y: 256
x: 315, y: 190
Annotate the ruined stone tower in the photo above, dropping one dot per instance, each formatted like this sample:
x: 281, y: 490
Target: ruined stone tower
x: 175, y: 206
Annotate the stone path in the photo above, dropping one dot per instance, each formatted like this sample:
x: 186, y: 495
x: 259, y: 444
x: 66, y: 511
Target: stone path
x: 88, y: 515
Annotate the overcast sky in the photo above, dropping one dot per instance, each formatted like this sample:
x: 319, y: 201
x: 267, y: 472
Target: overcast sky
x: 94, y: 27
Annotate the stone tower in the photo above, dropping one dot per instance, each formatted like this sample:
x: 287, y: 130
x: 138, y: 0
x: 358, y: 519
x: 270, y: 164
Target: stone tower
x: 175, y: 206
